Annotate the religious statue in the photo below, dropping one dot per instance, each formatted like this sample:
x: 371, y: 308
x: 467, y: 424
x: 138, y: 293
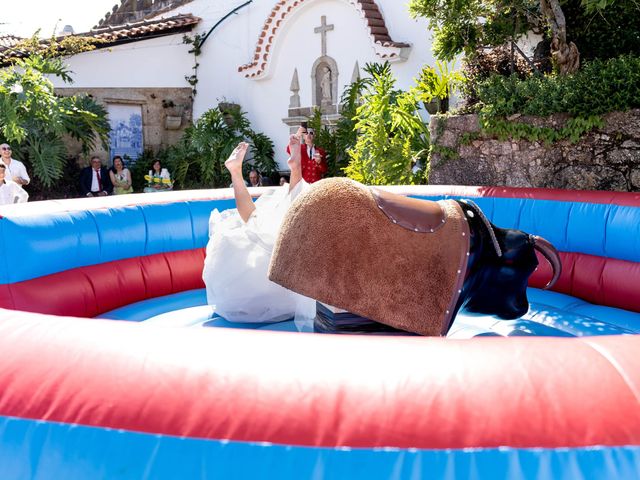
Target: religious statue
x: 325, y: 86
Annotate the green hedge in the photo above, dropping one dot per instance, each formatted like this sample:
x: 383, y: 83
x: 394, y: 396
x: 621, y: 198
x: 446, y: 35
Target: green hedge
x: 599, y: 87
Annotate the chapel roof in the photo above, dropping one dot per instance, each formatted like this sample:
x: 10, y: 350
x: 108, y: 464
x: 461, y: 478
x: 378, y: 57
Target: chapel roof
x: 144, y: 28
x: 128, y: 11
x: 384, y: 46
x: 118, y: 34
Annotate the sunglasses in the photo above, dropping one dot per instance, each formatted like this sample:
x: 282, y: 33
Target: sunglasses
x: 6, y: 148
x: 310, y: 133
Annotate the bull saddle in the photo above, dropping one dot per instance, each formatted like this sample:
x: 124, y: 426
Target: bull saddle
x: 407, y: 263
x: 393, y: 259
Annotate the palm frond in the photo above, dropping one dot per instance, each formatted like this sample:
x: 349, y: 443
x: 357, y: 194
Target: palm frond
x: 47, y: 157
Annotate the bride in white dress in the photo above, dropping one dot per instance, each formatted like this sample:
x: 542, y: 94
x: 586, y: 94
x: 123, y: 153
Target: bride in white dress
x: 240, y: 244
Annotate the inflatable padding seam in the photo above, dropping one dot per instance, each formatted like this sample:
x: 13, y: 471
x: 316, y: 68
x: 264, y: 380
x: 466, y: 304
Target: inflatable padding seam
x: 565, y: 238
x: 98, y: 232
x: 5, y: 264
x: 146, y: 232
x: 144, y: 278
x: 171, y: 275
x: 88, y: 311
x: 521, y: 205
x: 192, y: 222
x: 606, y: 228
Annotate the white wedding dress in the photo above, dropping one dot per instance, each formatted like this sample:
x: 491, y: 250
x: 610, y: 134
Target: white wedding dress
x: 237, y: 263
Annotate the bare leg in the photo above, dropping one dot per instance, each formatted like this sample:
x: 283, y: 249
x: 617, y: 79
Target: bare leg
x: 244, y: 202
x: 294, y: 161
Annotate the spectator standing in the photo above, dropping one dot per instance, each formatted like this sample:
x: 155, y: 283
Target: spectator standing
x: 95, y: 180
x: 10, y: 191
x: 120, y: 177
x: 15, y: 170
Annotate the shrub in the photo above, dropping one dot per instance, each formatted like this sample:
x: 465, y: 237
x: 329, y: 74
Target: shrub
x: 197, y: 160
x: 484, y: 64
x: 601, y: 86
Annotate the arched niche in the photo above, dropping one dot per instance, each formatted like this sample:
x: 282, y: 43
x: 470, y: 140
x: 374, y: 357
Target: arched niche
x: 319, y: 79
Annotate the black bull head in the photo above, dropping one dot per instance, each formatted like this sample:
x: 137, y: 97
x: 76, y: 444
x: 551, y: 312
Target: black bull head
x: 500, y: 264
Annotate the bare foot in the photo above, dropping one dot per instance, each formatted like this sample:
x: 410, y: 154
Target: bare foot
x: 234, y: 162
x: 294, y: 152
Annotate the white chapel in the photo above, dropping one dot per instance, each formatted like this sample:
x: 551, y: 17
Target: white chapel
x: 277, y: 59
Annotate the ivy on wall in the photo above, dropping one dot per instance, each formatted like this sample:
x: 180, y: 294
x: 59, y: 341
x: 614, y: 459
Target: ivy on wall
x: 573, y: 130
x: 196, y: 50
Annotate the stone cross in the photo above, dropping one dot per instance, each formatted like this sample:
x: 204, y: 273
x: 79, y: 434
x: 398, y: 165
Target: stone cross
x: 322, y: 30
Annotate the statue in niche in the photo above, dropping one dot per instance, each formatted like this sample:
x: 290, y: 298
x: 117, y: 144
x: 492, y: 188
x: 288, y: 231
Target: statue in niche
x: 324, y: 79
x: 325, y: 86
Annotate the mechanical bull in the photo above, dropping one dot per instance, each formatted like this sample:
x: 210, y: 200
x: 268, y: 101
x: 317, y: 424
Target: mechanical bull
x: 407, y: 263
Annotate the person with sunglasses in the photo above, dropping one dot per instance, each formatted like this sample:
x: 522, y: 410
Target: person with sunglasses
x: 15, y: 170
x: 313, y: 158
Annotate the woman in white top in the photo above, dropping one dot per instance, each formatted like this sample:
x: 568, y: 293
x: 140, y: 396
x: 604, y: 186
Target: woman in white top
x: 120, y: 177
x: 240, y: 244
x: 10, y: 191
x: 158, y: 179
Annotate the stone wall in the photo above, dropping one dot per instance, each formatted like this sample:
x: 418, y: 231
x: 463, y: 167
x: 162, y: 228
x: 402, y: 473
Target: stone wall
x: 166, y: 113
x: 605, y: 159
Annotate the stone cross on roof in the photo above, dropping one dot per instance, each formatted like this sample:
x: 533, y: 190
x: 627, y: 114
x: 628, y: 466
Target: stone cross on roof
x: 322, y: 30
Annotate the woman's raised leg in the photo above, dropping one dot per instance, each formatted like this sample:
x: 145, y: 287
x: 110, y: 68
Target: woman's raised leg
x: 294, y: 161
x: 244, y: 202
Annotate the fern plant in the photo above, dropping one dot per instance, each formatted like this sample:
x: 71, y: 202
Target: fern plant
x: 198, y: 158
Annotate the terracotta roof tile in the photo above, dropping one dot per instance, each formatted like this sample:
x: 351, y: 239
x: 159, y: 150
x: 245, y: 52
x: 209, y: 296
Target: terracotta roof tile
x: 383, y: 44
x: 7, y: 41
x: 143, y: 28
x: 130, y: 32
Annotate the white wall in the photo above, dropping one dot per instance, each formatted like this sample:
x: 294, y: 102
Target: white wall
x: 158, y: 62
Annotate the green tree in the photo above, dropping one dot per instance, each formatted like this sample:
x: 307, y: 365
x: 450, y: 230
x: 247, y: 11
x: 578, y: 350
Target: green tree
x: 35, y: 120
x: 605, y: 30
x: 392, y: 137
x: 464, y: 27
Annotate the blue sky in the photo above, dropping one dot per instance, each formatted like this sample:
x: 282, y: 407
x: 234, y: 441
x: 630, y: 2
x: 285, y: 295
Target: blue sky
x: 24, y: 17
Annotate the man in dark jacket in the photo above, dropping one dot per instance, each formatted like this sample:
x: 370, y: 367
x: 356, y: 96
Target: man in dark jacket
x: 95, y: 180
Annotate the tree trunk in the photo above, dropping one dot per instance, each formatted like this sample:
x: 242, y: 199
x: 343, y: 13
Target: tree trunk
x: 566, y: 56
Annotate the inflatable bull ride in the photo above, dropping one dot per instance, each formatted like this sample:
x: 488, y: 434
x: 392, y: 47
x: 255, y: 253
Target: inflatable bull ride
x: 108, y: 369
